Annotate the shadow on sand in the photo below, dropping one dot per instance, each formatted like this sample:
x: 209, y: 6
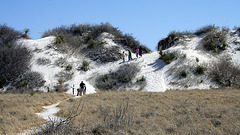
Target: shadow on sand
x: 158, y: 64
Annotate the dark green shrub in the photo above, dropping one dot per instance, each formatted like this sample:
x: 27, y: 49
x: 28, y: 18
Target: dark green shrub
x: 183, y: 74
x: 23, y: 83
x: 68, y: 67
x: 32, y: 93
x: 168, y: 58
x: 92, y: 43
x: 2, y: 81
x: 199, y: 70
x: 60, y: 39
x: 85, y: 65
x: 142, y: 79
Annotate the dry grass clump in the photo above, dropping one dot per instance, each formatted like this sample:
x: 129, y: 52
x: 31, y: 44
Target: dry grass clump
x: 17, y: 111
x: 171, y: 112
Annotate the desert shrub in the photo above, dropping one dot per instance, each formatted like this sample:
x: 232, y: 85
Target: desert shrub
x: 2, y: 81
x: 225, y: 73
x: 119, y: 118
x: 168, y: 57
x: 25, y: 35
x: 32, y: 79
x: 113, y: 80
x: 171, y: 40
x: 142, y: 79
x: 64, y: 76
x: 60, y: 39
x: 43, y: 61
x: 103, y: 55
x: 60, y: 86
x: 199, y: 70
x: 92, y: 43
x: 8, y: 35
x: 63, y: 126
x: 27, y: 82
x: 14, y: 61
x: 205, y: 29
x: 183, y: 74
x: 75, y: 35
x: 215, y: 40
x: 85, y: 65
x: 68, y: 67
x: 61, y: 61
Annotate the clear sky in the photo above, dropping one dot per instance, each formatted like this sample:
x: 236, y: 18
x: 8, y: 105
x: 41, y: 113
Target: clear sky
x: 147, y: 20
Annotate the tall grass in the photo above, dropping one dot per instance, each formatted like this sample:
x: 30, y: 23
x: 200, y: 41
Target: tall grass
x: 171, y: 112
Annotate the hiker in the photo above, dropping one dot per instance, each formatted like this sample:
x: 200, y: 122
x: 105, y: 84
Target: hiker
x: 129, y: 55
x: 137, y: 52
x: 123, y: 55
x: 140, y: 51
x: 82, y: 89
x: 73, y: 88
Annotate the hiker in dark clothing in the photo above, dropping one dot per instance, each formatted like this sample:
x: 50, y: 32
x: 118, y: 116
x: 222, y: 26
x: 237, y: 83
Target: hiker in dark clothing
x: 82, y: 89
x: 129, y: 55
x: 140, y: 51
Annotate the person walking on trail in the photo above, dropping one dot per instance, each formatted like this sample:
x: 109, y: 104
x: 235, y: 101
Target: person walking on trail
x: 129, y: 55
x: 137, y: 52
x: 140, y: 51
x: 123, y: 55
x: 82, y: 89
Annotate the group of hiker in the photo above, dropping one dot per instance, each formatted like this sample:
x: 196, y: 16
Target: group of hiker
x: 139, y: 52
x: 81, y: 90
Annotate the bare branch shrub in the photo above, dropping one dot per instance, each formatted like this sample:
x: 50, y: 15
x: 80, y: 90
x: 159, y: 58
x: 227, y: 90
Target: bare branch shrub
x: 64, y: 75
x: 111, y: 81
x: 120, y: 118
x: 102, y: 54
x: 205, y: 29
x: 63, y: 126
x: 43, y: 61
x: 8, y: 35
x: 225, y: 73
x: 14, y: 61
x: 61, y: 61
x: 171, y: 40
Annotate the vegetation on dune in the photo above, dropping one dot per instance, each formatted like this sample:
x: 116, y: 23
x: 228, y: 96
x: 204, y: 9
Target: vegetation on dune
x: 77, y: 35
x: 111, y: 81
x: 14, y: 59
x: 214, y: 39
x: 168, y: 57
x: 225, y: 73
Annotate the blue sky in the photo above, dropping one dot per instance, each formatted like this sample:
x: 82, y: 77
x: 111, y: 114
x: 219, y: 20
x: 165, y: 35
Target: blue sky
x: 147, y: 20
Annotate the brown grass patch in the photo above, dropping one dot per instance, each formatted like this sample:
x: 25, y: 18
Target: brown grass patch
x: 17, y: 111
x: 171, y: 112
